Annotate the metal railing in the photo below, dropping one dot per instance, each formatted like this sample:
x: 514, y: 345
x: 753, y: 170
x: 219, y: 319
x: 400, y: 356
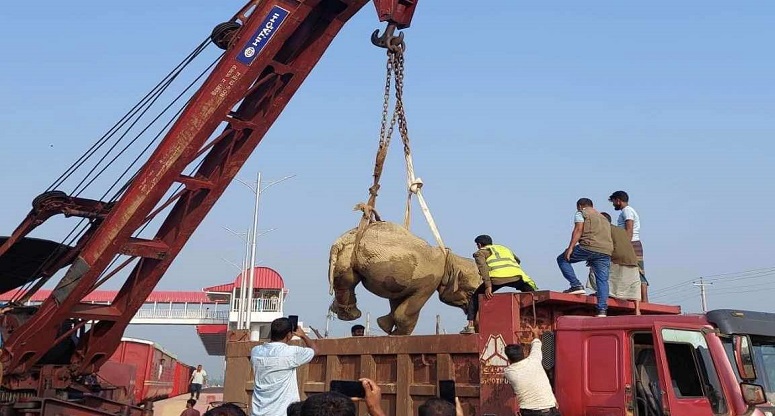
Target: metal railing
x: 202, y: 314
x: 260, y: 305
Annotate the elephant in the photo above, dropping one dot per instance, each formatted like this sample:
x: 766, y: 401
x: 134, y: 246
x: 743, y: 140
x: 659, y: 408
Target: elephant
x: 394, y: 264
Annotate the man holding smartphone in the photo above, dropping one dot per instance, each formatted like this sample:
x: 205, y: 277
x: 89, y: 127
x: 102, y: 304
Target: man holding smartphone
x: 274, y: 366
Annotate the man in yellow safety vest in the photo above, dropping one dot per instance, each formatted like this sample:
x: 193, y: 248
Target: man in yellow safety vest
x: 498, y: 267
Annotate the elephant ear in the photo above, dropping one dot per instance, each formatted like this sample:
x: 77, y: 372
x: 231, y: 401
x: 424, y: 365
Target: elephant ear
x: 451, y: 273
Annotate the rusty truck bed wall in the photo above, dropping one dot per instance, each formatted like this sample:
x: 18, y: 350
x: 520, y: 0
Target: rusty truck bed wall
x: 407, y: 368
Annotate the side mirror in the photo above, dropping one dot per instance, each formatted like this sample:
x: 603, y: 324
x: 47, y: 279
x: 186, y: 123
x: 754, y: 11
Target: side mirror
x: 753, y: 394
x: 744, y: 357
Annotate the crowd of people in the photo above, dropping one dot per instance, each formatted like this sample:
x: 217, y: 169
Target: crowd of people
x: 337, y: 404
x: 614, y: 254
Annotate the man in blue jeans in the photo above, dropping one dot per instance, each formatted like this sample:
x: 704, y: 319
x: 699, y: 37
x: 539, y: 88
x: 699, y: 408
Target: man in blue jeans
x: 591, y: 242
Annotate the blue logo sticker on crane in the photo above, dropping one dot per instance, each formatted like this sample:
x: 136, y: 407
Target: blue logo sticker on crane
x: 263, y: 35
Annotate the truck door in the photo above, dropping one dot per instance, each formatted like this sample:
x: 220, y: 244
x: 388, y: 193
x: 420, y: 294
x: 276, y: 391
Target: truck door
x: 690, y: 378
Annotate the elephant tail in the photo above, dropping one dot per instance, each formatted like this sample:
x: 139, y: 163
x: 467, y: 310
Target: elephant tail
x: 333, y: 256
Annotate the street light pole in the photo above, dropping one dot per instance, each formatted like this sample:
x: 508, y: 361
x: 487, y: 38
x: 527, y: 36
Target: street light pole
x: 241, y: 315
x: 242, y: 276
x: 257, y: 189
x: 253, y: 254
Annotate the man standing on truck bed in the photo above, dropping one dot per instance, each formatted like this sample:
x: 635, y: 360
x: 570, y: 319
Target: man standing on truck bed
x: 528, y: 379
x: 499, y: 267
x: 630, y: 221
x: 590, y: 241
x: 623, y: 279
x: 274, y: 365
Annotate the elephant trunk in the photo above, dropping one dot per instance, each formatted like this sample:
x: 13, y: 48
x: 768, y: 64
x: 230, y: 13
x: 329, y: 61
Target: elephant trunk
x: 333, y: 255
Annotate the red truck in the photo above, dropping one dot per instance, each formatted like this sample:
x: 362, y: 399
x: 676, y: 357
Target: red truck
x: 658, y: 364
x: 661, y: 363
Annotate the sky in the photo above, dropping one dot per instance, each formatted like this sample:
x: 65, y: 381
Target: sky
x: 515, y: 111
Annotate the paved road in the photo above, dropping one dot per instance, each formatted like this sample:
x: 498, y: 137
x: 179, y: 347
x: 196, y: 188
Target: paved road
x: 175, y: 405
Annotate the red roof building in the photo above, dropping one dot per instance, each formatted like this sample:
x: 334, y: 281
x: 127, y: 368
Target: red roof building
x: 269, y: 292
x: 214, y: 310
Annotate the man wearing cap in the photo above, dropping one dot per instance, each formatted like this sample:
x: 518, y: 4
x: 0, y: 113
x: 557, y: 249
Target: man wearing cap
x: 499, y: 267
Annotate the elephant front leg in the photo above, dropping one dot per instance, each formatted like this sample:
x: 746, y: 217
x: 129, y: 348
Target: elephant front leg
x: 386, y: 322
x: 407, y: 313
x: 345, y: 305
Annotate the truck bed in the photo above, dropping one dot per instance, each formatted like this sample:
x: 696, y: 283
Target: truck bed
x: 408, y: 368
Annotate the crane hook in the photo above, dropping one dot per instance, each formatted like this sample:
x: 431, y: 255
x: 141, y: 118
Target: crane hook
x: 389, y: 39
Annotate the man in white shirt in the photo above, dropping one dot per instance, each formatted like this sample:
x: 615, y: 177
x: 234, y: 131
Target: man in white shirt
x: 528, y: 379
x: 630, y: 221
x: 274, y: 366
x: 198, y: 378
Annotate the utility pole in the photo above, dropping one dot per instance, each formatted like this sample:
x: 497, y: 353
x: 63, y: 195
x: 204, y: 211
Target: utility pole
x: 703, y: 296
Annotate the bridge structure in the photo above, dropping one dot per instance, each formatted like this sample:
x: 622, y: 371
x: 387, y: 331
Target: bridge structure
x: 213, y: 310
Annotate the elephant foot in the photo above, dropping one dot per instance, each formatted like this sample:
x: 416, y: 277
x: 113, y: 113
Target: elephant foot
x: 386, y: 323
x: 401, y: 332
x: 345, y: 312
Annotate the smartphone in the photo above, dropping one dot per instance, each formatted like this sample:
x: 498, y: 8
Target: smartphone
x: 348, y: 388
x: 447, y: 390
x: 294, y: 322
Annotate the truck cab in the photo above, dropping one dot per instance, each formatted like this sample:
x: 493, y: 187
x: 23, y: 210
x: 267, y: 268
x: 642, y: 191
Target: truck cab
x: 721, y: 363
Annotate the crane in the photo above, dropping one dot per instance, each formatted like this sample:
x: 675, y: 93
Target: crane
x: 49, y: 350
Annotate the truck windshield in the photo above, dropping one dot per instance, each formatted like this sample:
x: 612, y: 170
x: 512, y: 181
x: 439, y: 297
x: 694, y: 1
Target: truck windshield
x: 764, y: 362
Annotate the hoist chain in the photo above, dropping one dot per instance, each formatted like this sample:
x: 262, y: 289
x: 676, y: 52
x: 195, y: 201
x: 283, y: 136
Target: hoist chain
x: 394, y: 69
x: 399, y: 113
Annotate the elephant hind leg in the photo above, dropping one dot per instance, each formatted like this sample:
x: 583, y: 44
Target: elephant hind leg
x: 345, y: 304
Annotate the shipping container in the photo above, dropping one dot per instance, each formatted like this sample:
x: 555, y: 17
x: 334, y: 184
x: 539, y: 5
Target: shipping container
x: 158, y: 374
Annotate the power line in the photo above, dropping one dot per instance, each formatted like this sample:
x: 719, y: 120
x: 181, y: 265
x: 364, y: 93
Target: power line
x: 670, y: 293
x: 744, y: 272
x: 669, y: 288
x: 750, y: 289
x: 748, y: 277
x: 718, y: 279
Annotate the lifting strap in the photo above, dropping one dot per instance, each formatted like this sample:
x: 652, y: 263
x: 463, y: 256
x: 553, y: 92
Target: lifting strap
x: 394, y: 70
